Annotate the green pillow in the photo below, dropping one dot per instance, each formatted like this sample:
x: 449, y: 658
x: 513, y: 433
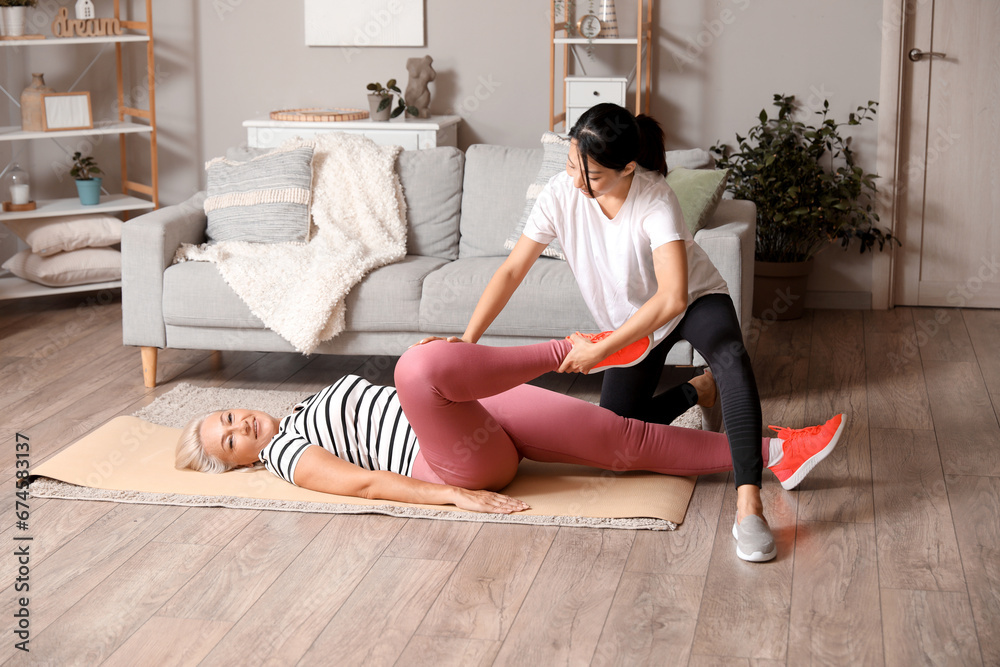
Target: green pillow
x: 699, y: 192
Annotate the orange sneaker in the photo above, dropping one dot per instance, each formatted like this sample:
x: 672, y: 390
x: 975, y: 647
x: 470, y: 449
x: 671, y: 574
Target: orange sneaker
x: 803, y: 448
x: 629, y: 355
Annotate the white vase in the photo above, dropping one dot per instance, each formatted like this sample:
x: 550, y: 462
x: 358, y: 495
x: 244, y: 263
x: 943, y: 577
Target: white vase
x: 14, y: 21
x: 609, y: 21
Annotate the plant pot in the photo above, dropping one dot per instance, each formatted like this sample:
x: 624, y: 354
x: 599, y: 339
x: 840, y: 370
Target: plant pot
x: 373, y: 104
x: 89, y: 191
x: 779, y: 289
x: 14, y: 20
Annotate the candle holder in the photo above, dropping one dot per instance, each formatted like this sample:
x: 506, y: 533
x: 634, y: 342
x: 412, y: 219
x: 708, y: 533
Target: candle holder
x: 17, y: 184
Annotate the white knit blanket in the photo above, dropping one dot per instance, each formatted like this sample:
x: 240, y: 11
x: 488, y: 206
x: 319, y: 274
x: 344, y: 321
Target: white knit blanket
x: 358, y: 212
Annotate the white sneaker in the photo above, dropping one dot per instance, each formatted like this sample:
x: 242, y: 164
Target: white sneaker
x: 754, y: 541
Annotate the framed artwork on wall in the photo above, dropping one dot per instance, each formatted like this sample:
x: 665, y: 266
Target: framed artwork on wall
x: 358, y: 23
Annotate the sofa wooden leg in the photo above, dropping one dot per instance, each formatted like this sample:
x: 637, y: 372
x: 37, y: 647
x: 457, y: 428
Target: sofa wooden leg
x: 149, y: 366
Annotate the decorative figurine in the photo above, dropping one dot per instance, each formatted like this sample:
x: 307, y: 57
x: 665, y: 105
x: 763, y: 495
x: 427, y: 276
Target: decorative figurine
x: 417, y: 94
x: 84, y: 10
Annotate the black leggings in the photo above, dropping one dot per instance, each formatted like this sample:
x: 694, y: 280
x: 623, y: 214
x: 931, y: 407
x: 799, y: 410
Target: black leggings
x: 711, y: 326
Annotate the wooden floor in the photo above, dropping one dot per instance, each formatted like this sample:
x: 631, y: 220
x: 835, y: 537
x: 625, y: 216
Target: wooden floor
x: 889, y: 552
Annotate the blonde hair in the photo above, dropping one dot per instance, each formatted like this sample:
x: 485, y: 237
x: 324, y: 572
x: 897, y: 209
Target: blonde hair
x: 191, y: 452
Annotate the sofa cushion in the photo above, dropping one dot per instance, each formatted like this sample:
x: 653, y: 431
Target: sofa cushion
x: 555, y: 150
x: 65, y: 233
x: 496, y: 178
x: 692, y: 158
x: 195, y: 295
x: 432, y: 187
x: 64, y: 269
x: 547, y: 303
x: 388, y: 299
x: 699, y: 192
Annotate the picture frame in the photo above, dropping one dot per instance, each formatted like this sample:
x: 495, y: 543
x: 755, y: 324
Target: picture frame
x: 66, y: 111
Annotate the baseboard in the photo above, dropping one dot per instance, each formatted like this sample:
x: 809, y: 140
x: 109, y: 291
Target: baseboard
x: 839, y: 300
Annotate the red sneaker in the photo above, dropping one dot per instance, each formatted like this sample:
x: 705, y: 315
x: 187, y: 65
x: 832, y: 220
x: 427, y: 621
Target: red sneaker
x: 803, y: 448
x: 629, y: 355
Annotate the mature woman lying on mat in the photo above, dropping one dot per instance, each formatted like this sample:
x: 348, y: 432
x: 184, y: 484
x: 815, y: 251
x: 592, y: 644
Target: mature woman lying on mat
x: 455, y: 427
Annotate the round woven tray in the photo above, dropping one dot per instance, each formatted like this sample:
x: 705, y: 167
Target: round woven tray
x: 319, y: 114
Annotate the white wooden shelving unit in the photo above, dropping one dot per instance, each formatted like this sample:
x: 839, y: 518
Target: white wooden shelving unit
x: 131, y: 121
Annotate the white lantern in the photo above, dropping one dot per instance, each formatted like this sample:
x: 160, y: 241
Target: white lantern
x: 18, y: 184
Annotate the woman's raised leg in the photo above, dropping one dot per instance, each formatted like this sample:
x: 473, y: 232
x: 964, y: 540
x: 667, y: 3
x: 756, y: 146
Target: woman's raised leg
x: 475, y: 420
x: 440, y: 385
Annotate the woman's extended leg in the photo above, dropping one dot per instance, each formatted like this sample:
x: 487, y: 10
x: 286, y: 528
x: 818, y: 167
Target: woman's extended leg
x: 474, y: 419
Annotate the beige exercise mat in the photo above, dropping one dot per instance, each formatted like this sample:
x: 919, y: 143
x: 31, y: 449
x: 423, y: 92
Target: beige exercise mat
x: 132, y: 460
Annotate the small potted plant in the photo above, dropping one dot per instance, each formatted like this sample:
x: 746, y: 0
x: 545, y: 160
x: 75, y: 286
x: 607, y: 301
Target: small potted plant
x: 88, y: 185
x: 809, y: 194
x: 380, y: 101
x: 14, y: 16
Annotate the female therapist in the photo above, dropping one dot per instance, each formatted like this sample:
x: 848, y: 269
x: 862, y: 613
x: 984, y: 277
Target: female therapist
x: 642, y: 277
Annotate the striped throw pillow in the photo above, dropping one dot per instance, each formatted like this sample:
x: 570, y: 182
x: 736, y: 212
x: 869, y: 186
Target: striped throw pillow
x: 263, y: 200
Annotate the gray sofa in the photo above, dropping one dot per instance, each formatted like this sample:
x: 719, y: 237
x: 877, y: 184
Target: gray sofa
x: 461, y: 208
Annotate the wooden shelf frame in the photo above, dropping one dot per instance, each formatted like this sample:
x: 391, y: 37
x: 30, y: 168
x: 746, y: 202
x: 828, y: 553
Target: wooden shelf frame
x: 126, y: 114
x: 643, y: 42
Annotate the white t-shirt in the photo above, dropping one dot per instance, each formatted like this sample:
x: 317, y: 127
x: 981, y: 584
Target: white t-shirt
x: 613, y: 259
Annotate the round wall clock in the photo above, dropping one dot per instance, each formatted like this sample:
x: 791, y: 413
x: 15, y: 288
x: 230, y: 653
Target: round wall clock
x: 589, y: 26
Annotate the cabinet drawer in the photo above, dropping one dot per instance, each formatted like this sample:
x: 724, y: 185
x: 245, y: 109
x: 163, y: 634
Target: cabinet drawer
x: 583, y: 93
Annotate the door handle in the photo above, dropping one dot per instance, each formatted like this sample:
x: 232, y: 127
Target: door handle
x: 916, y: 54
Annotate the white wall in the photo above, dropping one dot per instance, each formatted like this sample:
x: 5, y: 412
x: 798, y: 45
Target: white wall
x: 717, y: 63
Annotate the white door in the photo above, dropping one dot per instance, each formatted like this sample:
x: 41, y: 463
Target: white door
x: 948, y: 173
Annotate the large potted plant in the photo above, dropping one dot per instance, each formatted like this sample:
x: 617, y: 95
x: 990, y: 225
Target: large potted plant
x: 14, y: 16
x: 809, y: 194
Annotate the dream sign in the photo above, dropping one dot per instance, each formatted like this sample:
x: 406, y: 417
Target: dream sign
x: 64, y: 26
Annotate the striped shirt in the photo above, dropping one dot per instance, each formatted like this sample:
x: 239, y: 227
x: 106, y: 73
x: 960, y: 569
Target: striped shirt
x: 353, y: 419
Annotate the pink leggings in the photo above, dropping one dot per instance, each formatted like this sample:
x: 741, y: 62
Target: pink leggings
x: 475, y: 419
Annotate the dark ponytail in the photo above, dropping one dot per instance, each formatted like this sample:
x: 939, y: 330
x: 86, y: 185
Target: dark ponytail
x: 613, y: 137
x: 652, y: 152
